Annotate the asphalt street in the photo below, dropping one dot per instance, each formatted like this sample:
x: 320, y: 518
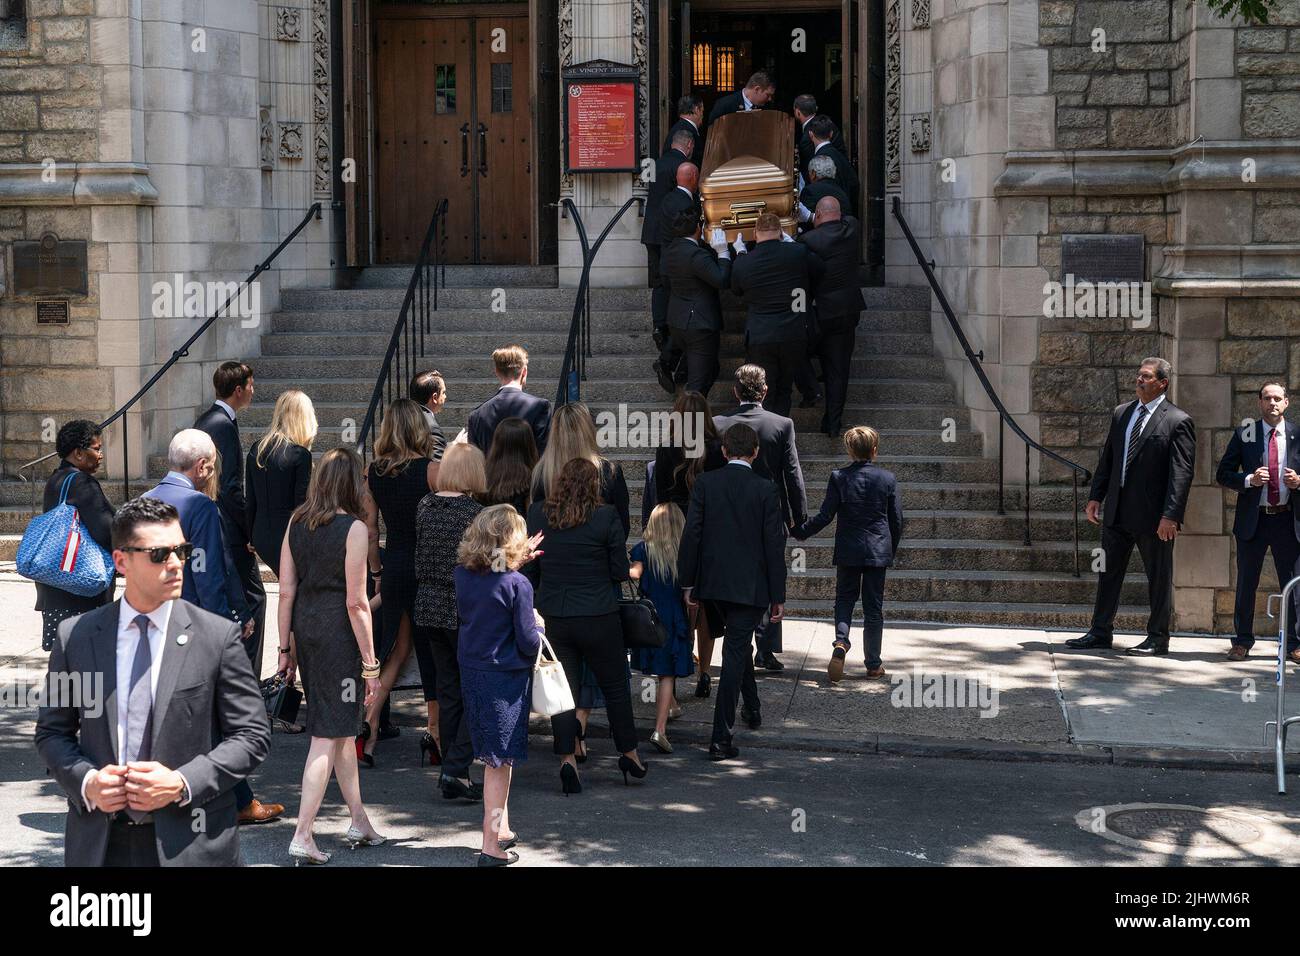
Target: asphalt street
x: 769, y: 808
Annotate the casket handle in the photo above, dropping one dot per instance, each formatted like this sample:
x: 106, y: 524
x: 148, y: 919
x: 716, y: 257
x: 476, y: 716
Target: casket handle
x: 744, y: 213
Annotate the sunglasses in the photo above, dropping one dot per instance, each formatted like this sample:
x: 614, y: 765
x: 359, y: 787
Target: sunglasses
x: 159, y: 555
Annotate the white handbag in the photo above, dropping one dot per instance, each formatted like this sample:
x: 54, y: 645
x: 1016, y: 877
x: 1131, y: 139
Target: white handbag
x: 551, y: 694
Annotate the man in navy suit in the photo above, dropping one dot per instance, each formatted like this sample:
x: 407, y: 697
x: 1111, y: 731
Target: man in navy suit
x: 210, y: 580
x: 821, y: 131
x: 758, y: 92
x: 510, y: 401
x: 805, y: 109
x: 733, y: 553
x: 233, y: 383
x: 1262, y: 464
x: 690, y: 117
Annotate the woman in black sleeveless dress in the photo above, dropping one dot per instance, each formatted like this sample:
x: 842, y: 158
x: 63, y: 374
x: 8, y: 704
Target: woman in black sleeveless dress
x: 401, y: 474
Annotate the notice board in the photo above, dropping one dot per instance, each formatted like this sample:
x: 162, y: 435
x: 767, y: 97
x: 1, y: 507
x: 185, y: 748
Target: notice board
x: 600, y: 119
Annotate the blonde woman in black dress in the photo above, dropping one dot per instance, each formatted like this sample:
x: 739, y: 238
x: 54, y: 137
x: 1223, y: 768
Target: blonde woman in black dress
x: 326, y: 636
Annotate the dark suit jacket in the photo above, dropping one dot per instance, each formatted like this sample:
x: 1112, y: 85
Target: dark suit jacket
x: 694, y: 274
x: 869, y: 511
x: 805, y: 147
x: 665, y: 181
x: 674, y: 202
x: 846, y: 177
x: 733, y: 547
x: 1241, y: 459
x: 815, y: 192
x: 613, y: 491
x: 778, y: 457
x: 697, y: 151
x: 509, y: 403
x: 95, y: 515
x: 728, y: 103
x: 1159, y: 478
x: 275, y: 489
x: 576, y: 574
x: 838, y: 293
x: 210, y: 580
x: 765, y: 278
x: 209, y: 723
x: 225, y: 435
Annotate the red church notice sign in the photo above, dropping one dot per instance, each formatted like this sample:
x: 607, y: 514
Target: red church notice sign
x: 601, y: 126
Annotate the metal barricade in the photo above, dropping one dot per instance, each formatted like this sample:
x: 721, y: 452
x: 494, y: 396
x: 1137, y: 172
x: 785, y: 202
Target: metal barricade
x: 1281, y: 723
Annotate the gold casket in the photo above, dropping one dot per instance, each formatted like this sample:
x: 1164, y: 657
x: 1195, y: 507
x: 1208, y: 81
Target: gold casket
x: 748, y: 169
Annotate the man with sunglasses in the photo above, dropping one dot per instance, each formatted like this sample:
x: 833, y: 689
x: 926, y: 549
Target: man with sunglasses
x: 152, y: 713
x: 210, y: 580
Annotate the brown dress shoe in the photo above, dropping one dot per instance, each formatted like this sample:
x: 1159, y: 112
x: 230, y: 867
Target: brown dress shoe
x: 875, y: 673
x: 1294, y: 656
x: 259, y: 812
x: 1238, y: 653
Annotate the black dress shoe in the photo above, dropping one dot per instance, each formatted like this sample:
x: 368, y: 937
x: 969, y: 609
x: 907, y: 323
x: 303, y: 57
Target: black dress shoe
x: 768, y: 662
x: 812, y: 401
x: 1089, y: 641
x: 1149, y: 648
x: 725, y: 751
x: 486, y: 860
x: 454, y: 789
x: 752, y: 719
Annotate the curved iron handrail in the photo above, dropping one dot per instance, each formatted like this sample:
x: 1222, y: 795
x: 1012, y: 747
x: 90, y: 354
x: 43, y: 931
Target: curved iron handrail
x: 575, y: 355
x: 176, y: 356
x: 1004, y: 417
x: 408, y: 337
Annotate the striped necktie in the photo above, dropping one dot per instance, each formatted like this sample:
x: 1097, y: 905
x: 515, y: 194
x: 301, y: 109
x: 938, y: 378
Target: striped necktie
x: 1133, y: 440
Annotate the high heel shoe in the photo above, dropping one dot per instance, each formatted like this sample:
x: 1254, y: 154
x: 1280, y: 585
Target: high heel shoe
x: 569, y: 781
x: 357, y: 838
x: 702, y: 689
x: 301, y: 854
x: 630, y: 766
x: 582, y: 739
x: 363, y: 758
x: 428, y: 745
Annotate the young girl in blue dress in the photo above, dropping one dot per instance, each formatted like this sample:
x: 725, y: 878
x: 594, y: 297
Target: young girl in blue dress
x: 654, y: 567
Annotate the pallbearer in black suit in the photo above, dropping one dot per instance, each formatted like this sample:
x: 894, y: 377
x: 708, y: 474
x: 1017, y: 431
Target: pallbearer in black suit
x: 821, y: 183
x: 681, y: 201
x: 1139, y: 495
x: 758, y: 92
x: 510, y: 362
x: 775, y: 281
x: 652, y: 232
x: 695, y: 275
x: 233, y: 383
x: 836, y: 241
x: 733, y: 553
x: 821, y: 131
x: 1262, y: 464
x: 805, y: 108
x: 690, y: 119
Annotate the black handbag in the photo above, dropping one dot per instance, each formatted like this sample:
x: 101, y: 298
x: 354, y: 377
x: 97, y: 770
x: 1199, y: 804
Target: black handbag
x: 641, y: 624
x: 281, y: 698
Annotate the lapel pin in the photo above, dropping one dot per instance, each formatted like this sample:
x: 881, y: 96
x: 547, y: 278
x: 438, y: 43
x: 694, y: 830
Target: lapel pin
x: 182, y: 639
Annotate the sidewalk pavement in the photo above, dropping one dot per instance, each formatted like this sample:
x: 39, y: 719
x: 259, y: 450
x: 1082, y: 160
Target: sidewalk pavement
x: 987, y: 692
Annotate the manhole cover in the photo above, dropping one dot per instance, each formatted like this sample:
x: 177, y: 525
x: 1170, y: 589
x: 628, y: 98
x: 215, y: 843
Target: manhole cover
x: 1182, y: 827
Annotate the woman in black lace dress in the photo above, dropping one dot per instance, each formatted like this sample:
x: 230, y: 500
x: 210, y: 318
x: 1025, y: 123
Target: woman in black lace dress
x: 440, y: 523
x: 401, y: 474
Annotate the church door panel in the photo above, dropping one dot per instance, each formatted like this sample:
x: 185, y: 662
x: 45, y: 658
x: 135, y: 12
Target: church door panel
x: 502, y: 140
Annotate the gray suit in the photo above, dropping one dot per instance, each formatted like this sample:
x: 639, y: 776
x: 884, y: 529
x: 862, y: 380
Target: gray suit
x: 208, y: 722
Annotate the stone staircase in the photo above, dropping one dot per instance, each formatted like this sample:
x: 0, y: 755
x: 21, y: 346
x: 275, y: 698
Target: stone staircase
x: 960, y: 562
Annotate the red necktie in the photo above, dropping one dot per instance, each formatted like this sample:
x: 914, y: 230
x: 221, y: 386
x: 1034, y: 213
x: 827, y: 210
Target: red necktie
x: 1274, y: 491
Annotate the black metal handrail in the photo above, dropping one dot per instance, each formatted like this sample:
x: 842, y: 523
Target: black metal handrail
x: 573, y: 370
x: 407, y: 340
x: 176, y: 356
x: 1004, y: 417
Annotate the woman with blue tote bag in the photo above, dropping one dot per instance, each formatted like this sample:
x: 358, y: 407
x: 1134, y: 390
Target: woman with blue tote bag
x: 80, y: 449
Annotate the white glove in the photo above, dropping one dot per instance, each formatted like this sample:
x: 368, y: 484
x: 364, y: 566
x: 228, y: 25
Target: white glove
x: 718, y: 240
x: 786, y: 237
x: 739, y: 244
x: 798, y: 183
x: 462, y: 438
x: 804, y: 214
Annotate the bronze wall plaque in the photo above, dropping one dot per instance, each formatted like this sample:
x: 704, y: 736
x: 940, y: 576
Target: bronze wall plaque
x: 1104, y: 258
x: 52, y: 312
x: 51, y: 266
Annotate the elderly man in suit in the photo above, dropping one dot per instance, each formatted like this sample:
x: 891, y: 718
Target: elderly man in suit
x: 695, y: 275
x: 510, y: 401
x: 778, y: 462
x: 1139, y: 494
x: 836, y: 241
x: 805, y: 108
x: 690, y: 119
x: 1262, y: 464
x: 821, y: 183
x: 652, y: 232
x: 149, y: 768
x: 733, y: 553
x: 821, y: 131
x: 758, y: 91
x: 233, y: 383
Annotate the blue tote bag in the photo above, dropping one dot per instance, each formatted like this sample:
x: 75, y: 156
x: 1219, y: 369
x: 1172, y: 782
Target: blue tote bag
x: 57, y: 551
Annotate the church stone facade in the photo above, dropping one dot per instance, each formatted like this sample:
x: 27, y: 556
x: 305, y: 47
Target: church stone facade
x: 187, y: 137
